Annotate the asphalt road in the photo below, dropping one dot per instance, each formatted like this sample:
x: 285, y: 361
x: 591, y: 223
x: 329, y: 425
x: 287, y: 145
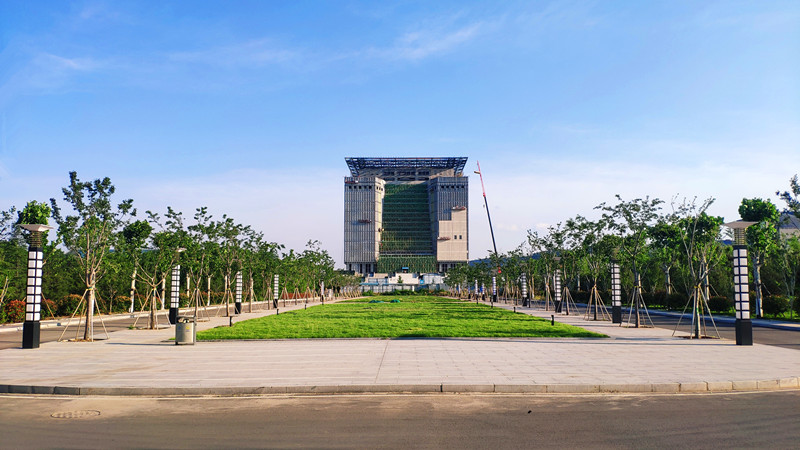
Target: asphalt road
x: 749, y: 420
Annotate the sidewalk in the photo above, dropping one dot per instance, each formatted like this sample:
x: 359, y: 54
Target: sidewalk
x: 145, y: 362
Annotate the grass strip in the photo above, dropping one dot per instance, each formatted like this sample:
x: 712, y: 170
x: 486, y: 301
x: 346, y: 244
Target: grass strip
x: 417, y: 316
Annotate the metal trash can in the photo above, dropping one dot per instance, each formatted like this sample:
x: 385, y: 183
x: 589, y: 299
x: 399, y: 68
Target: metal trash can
x: 185, y: 330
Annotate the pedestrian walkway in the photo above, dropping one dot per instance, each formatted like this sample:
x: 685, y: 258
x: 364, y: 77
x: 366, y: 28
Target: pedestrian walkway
x: 146, y: 362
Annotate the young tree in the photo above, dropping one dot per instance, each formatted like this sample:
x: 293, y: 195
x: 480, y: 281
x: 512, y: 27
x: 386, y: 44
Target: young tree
x: 666, y: 247
x: 131, y: 243
x: 88, y: 234
x: 761, y: 238
x: 631, y: 221
x: 699, y: 234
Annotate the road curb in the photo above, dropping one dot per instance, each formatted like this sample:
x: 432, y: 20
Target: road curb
x: 236, y: 391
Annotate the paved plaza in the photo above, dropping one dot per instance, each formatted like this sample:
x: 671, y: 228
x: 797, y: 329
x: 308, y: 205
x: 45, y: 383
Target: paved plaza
x: 146, y: 362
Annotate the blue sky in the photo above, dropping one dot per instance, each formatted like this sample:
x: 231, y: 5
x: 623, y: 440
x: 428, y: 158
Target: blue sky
x: 249, y: 108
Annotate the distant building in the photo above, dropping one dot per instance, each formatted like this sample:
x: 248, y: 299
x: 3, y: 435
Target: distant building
x: 405, y: 215
x: 789, y: 225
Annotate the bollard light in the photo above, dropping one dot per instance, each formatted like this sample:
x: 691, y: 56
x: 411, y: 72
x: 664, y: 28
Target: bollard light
x: 741, y: 283
x: 616, y: 294
x: 494, y: 288
x: 33, y: 298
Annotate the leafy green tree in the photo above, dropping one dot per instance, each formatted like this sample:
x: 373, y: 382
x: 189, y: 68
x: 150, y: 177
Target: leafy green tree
x: 131, y: 244
x: 762, y: 238
x: 666, y: 246
x: 88, y: 234
x: 631, y: 221
x: 791, y: 196
x: 699, y: 234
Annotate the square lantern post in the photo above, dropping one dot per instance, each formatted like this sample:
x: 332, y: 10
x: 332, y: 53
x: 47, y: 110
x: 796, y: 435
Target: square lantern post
x: 741, y: 283
x: 616, y: 294
x: 494, y: 288
x: 175, y: 291
x: 33, y: 298
x: 237, y: 305
x: 275, y: 286
x: 557, y: 284
x: 525, y: 290
x: 175, y: 294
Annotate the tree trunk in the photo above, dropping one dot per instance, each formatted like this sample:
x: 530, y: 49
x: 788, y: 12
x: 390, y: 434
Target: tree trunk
x: 133, y: 289
x: 757, y: 281
x: 208, y: 291
x: 88, y: 334
x: 163, y: 293
x: 667, y: 280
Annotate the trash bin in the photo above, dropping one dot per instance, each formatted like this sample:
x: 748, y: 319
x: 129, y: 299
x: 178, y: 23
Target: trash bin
x: 185, y: 331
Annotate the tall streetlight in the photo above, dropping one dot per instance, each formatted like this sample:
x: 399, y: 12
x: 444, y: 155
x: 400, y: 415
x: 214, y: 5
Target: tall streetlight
x: 33, y: 299
x: 741, y: 283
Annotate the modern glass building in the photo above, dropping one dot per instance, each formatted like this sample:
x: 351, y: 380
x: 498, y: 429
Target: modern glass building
x: 405, y: 215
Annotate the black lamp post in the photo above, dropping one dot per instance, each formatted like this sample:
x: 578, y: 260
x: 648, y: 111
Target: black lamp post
x: 175, y: 295
x: 33, y: 298
x: 557, y: 284
x: 525, y: 290
x: 616, y: 294
x: 741, y: 283
x: 237, y: 305
x: 275, y: 285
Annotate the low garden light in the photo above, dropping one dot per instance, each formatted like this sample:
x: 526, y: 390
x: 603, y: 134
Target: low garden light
x: 33, y: 298
x: 741, y: 283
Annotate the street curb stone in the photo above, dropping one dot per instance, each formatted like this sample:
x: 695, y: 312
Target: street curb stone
x: 659, y: 388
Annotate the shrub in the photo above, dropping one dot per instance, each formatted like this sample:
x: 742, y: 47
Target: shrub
x: 719, y: 303
x: 49, y: 307
x: 660, y: 298
x: 66, y: 306
x: 775, y: 305
x: 580, y: 296
x: 676, y: 300
x: 15, y: 311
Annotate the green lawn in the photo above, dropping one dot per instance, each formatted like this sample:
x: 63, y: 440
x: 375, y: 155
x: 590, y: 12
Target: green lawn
x: 413, y: 316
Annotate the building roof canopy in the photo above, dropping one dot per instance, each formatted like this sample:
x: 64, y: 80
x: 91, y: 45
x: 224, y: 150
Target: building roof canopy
x: 357, y: 165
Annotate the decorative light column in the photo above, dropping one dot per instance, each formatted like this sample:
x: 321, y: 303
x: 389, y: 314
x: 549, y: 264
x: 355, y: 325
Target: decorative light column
x: 525, y: 290
x: 616, y: 294
x: 557, y: 285
x: 175, y: 295
x: 494, y: 288
x: 237, y: 305
x: 275, y: 285
x: 33, y: 298
x: 741, y: 283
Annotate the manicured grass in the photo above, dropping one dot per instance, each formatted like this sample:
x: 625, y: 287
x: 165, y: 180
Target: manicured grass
x: 417, y: 316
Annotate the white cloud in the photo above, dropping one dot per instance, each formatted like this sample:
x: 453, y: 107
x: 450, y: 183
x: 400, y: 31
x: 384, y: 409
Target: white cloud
x: 421, y: 44
x: 256, y: 53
